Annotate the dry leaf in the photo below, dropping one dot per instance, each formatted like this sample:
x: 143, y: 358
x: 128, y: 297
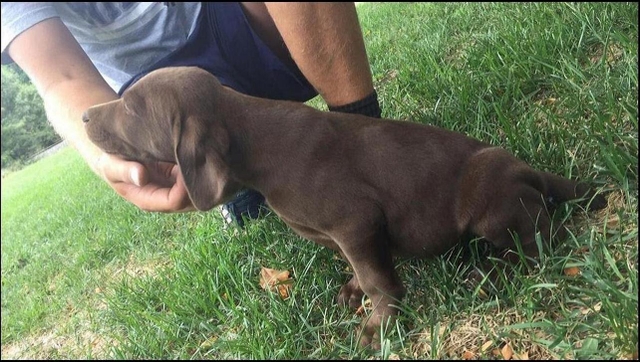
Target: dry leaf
x: 523, y: 357
x: 582, y: 250
x: 366, y: 305
x: 613, y: 222
x: 495, y: 352
x: 572, y: 271
x: 467, y: 355
x: 506, y: 352
x: 271, y: 279
x: 486, y: 346
x: 584, y: 311
x: 209, y: 342
x: 597, y: 307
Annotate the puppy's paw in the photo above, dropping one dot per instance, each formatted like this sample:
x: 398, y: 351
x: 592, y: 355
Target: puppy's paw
x: 373, y: 326
x: 350, y: 294
x: 598, y: 202
x: 372, y: 342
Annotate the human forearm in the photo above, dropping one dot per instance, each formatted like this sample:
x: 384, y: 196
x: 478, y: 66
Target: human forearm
x: 65, y: 102
x: 69, y: 84
x: 65, y: 78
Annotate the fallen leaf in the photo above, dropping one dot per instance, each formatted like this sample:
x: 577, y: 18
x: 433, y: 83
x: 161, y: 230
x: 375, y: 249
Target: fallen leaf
x: 628, y: 355
x: 572, y: 271
x: 486, y: 346
x: 495, y: 352
x: 209, y: 342
x: 613, y: 222
x: 506, y: 352
x: 362, y: 307
x: 522, y: 357
x: 597, y: 307
x: 584, y: 310
x: 582, y: 250
x: 389, y: 75
x: 467, y: 355
x: 272, y: 279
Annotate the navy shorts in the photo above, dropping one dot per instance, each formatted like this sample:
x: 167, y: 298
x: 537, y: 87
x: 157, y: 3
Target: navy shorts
x: 224, y: 44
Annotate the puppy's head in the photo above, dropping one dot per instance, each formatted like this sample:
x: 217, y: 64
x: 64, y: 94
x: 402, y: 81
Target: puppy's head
x: 169, y: 115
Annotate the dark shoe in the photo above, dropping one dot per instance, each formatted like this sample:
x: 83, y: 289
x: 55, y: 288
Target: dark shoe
x: 247, y: 204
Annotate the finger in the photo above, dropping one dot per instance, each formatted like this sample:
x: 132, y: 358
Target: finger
x: 153, y: 197
x: 116, y: 169
x: 168, y: 176
x: 151, y: 188
x: 179, y: 193
x: 162, y: 173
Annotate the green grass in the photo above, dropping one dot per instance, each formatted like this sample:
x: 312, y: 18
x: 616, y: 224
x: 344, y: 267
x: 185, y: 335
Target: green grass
x: 87, y: 275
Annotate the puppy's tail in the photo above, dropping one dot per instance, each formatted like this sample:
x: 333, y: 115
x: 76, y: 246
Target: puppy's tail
x: 560, y: 189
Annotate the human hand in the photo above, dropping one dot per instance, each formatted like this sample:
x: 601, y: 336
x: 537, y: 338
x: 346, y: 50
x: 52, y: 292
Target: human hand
x: 156, y: 186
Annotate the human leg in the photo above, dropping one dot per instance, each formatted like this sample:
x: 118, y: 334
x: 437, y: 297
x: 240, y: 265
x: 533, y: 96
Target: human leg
x: 325, y: 42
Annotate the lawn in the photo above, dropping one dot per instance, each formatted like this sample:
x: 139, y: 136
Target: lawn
x: 87, y: 275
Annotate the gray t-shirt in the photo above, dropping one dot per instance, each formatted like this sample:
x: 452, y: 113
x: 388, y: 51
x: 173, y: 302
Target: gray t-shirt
x: 122, y: 39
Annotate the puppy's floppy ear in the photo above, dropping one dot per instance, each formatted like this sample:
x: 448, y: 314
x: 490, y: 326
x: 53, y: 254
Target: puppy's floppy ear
x: 199, y: 152
x: 133, y: 103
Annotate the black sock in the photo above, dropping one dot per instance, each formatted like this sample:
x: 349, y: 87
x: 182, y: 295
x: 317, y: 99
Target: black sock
x: 368, y: 106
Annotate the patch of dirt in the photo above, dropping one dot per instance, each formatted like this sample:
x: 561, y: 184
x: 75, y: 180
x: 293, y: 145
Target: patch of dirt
x: 613, y: 53
x: 477, y: 337
x: 84, y: 341
x: 55, y: 344
x: 135, y: 268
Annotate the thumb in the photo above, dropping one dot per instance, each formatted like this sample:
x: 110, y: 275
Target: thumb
x: 136, y: 174
x: 118, y: 170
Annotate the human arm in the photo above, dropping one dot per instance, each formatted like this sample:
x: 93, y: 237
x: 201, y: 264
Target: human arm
x: 69, y: 83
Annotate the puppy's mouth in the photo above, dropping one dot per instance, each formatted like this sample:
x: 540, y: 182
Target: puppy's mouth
x: 108, y: 143
x: 128, y: 152
x: 100, y: 139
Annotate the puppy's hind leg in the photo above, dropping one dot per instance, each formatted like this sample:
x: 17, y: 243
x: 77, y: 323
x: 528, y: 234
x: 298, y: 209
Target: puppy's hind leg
x: 521, y: 220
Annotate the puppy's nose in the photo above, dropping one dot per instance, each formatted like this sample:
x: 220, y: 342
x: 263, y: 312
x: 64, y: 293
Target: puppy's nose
x: 85, y: 117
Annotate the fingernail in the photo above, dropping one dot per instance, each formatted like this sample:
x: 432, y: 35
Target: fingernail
x: 135, y: 176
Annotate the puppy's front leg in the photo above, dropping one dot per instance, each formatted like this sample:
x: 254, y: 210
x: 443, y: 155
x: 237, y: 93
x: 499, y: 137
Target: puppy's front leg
x: 372, y: 263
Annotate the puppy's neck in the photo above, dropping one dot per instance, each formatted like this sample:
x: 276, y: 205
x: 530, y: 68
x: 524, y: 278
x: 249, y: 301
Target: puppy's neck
x: 268, y: 138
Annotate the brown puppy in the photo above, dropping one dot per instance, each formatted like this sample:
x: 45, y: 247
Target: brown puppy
x: 367, y: 188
